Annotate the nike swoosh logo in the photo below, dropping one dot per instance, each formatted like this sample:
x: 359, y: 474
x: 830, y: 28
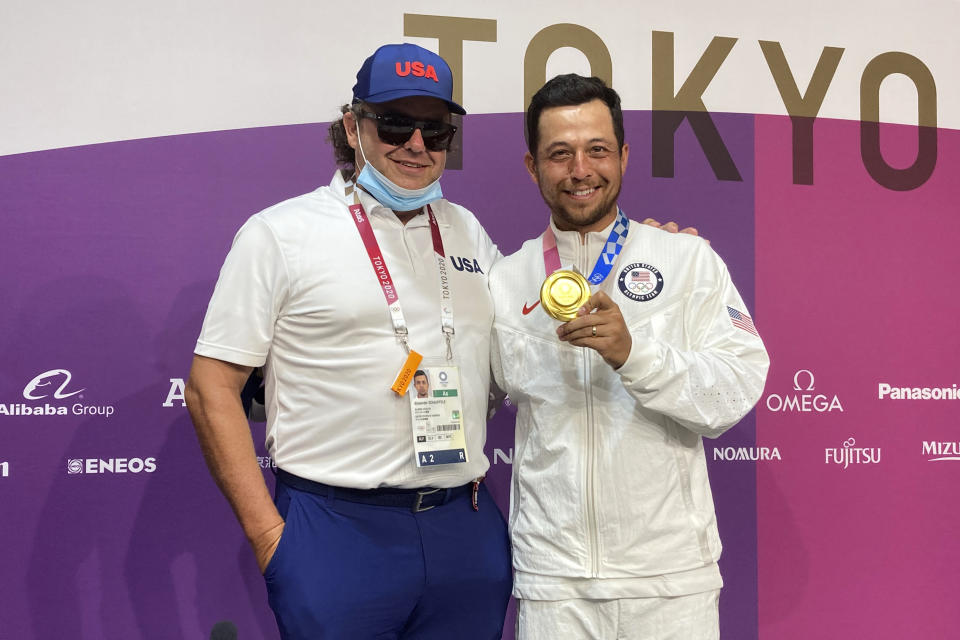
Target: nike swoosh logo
x: 527, y: 309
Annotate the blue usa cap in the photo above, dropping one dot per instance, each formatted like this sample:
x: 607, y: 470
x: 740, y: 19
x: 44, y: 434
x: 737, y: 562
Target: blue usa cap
x: 402, y: 70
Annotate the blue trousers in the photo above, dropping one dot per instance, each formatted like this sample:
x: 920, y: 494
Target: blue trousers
x: 354, y: 571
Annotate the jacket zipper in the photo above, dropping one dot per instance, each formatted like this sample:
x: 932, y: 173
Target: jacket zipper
x: 593, y: 529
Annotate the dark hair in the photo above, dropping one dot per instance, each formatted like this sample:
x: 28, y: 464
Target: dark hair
x: 420, y: 372
x: 343, y: 153
x: 566, y: 91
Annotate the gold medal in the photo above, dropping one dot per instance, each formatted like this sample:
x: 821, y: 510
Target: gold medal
x: 562, y: 293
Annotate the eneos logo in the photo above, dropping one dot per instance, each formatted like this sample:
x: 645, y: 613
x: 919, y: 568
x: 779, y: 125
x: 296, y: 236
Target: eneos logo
x: 77, y: 466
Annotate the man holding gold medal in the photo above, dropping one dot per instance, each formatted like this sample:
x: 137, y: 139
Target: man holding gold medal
x: 641, y: 346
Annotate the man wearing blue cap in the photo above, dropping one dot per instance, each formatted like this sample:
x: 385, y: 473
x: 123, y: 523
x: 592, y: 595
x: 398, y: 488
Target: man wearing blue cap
x: 380, y: 526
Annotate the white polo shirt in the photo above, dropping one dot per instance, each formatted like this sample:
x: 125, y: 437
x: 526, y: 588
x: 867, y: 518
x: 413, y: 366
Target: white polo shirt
x: 297, y: 293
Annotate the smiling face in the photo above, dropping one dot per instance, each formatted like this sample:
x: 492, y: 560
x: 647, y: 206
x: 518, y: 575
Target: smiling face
x: 578, y: 165
x: 409, y: 165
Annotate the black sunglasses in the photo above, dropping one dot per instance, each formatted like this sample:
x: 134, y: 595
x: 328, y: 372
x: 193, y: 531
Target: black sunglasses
x: 396, y: 129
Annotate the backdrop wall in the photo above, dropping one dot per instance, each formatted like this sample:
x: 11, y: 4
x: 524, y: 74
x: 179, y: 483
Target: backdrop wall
x: 815, y: 146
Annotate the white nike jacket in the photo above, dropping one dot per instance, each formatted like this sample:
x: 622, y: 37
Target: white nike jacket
x: 610, y: 494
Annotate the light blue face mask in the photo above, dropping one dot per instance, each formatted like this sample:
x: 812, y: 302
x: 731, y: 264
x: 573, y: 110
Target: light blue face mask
x: 391, y: 195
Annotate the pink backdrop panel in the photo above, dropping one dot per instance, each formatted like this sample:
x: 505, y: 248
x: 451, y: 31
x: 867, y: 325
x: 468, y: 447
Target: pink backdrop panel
x: 856, y: 287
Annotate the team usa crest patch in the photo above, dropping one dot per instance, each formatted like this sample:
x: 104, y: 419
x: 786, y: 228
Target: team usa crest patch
x: 640, y: 282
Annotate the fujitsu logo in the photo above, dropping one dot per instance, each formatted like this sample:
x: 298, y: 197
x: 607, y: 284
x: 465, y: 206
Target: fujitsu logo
x: 417, y: 69
x: 851, y: 454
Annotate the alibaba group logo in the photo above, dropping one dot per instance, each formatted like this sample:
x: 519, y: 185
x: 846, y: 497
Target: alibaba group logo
x: 45, y: 380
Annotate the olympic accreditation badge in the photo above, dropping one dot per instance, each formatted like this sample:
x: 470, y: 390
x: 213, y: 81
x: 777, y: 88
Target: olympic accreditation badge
x: 436, y: 409
x: 563, y: 292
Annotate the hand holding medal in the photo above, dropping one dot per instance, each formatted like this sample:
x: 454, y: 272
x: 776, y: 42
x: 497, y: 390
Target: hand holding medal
x: 600, y: 326
x: 592, y: 321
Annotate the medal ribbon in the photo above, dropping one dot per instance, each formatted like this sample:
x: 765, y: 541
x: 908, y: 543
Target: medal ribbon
x: 618, y: 235
x: 382, y: 273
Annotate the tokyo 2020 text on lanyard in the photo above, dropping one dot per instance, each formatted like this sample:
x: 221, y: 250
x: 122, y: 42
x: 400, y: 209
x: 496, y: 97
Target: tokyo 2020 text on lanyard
x: 611, y: 249
x: 382, y: 273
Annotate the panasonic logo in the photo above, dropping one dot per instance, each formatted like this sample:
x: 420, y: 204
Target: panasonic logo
x: 889, y: 392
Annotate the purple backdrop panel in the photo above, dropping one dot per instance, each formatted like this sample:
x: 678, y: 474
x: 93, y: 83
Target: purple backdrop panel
x: 855, y: 287
x: 115, y: 248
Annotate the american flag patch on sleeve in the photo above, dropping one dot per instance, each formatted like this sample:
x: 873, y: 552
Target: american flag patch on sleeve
x: 742, y: 320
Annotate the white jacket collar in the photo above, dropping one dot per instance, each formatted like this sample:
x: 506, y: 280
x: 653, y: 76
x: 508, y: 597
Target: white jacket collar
x: 582, y: 254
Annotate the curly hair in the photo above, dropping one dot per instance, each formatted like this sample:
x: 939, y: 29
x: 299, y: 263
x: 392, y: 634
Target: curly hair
x: 343, y: 153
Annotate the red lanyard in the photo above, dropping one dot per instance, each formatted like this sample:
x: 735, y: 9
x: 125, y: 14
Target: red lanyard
x: 382, y: 273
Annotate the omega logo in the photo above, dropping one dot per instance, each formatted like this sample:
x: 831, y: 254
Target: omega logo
x: 803, y: 402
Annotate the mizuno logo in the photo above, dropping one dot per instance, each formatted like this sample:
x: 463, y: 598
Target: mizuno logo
x: 527, y: 309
